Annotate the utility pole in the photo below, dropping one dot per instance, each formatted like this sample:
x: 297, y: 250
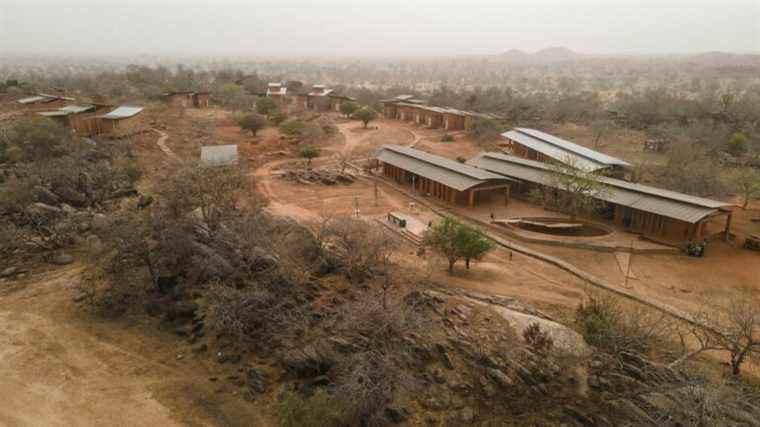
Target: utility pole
x: 376, y: 193
x: 356, y: 206
x: 628, y: 270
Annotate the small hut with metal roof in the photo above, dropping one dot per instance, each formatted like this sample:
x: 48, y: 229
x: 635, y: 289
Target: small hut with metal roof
x: 122, y: 121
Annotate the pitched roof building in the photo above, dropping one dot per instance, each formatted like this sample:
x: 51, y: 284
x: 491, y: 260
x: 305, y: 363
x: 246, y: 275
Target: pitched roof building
x: 445, y: 179
x: 655, y: 212
x: 536, y: 145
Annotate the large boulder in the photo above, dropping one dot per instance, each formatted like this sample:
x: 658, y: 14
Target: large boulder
x: 42, y: 209
x: 564, y: 338
x: 62, y: 259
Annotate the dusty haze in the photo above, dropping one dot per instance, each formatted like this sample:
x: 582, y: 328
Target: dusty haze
x: 346, y: 27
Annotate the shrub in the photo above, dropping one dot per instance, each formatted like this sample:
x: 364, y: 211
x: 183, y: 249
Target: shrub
x: 737, y: 145
x: 278, y: 118
x: 266, y: 106
x: 605, y: 324
x: 292, y: 127
x: 318, y: 410
x: 447, y: 138
x: 537, y: 339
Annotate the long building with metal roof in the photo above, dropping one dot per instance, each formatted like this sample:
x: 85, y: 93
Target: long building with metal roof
x: 640, y: 208
x: 537, y: 145
x: 439, y: 177
x: 406, y: 108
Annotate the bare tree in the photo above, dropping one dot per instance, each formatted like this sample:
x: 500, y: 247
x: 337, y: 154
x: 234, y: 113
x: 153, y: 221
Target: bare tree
x: 362, y: 247
x: 572, y: 189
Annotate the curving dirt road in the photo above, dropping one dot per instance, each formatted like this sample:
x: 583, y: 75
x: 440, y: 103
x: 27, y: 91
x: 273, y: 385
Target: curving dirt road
x: 60, y: 366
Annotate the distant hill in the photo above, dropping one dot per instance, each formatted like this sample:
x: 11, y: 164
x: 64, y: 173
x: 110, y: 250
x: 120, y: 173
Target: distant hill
x: 549, y: 54
x: 724, y: 59
x: 558, y: 53
x: 515, y: 53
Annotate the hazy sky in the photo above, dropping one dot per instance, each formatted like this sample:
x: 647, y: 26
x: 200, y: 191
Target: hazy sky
x: 350, y: 27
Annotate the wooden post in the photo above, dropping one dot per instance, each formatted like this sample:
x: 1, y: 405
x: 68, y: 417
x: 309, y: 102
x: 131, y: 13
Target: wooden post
x: 472, y: 198
x: 727, y: 233
x: 506, y: 197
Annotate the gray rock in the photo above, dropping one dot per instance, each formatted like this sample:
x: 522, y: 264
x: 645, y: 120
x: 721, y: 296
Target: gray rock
x: 8, y: 272
x: 500, y: 377
x: 62, y: 259
x: 42, y: 209
x: 68, y: 209
x: 43, y: 195
x: 99, y: 221
x: 467, y: 415
x: 311, y: 360
x: 200, y: 348
x: 256, y: 380
x: 181, y: 310
x: 397, y: 415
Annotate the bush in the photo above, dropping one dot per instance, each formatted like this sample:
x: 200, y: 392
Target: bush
x: 447, y: 138
x: 605, y: 324
x: 293, y: 127
x: 252, y: 123
x: 266, y: 106
x: 737, y: 145
x: 318, y: 410
x: 537, y: 339
x: 278, y: 118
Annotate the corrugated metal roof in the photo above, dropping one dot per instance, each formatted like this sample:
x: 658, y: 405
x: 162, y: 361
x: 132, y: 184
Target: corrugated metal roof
x: 56, y: 113
x: 562, y: 150
x: 76, y: 109
x: 458, y: 176
x: 33, y: 99
x: 642, y: 197
x: 219, y: 155
x: 123, y: 112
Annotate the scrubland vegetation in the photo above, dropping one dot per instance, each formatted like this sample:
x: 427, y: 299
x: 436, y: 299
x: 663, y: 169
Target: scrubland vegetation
x: 327, y: 321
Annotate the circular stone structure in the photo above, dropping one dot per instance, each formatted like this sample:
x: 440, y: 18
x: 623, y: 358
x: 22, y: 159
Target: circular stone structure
x: 565, y: 227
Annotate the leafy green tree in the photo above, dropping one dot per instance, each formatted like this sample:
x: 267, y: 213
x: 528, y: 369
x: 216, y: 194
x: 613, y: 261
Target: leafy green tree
x: 737, y: 145
x: 456, y: 241
x: 309, y: 153
x: 366, y: 115
x: 252, y: 122
x: 232, y: 96
x: 473, y: 244
x: 266, y: 106
x: 348, y: 108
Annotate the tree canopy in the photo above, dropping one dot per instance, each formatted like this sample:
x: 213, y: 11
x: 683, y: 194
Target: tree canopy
x: 252, y: 122
x: 456, y: 241
x: 266, y: 106
x: 366, y: 115
x: 348, y: 108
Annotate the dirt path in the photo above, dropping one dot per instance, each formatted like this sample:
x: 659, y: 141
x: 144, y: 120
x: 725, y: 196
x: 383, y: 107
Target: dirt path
x: 60, y: 367
x: 163, y: 136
